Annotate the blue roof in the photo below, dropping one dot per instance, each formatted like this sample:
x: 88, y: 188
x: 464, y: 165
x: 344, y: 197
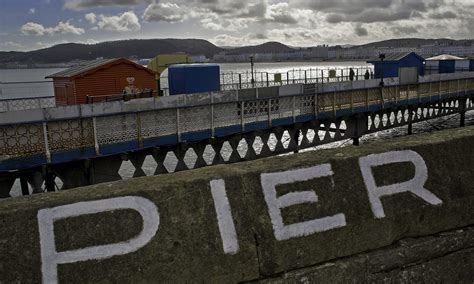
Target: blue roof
x: 193, y: 65
x: 395, y: 57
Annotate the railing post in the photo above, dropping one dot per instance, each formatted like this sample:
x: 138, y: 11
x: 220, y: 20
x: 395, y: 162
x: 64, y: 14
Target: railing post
x: 439, y: 90
x: 240, y: 81
x: 458, y: 86
x: 352, y: 101
x: 96, y: 141
x: 396, y: 94
x: 242, y: 121
x: 430, y: 92
x: 418, y: 93
x: 268, y: 82
x: 367, y: 98
x: 305, y: 77
x: 293, y: 106
x: 465, y: 87
x: 212, y: 116
x: 315, y: 105
x: 139, y: 130
x: 269, y: 113
x: 287, y: 78
x: 178, y: 131
x: 408, y: 93
x: 46, y: 142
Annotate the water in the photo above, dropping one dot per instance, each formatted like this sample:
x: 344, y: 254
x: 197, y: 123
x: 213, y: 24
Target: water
x: 33, y: 83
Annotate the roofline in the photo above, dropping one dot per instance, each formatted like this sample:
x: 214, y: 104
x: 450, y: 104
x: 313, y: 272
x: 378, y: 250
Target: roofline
x: 97, y: 68
x: 391, y: 61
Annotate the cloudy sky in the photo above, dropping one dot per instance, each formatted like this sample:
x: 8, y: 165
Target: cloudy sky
x: 33, y: 24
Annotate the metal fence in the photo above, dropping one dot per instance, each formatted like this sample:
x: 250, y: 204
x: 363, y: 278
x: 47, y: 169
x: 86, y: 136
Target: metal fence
x: 19, y: 140
x: 25, y: 104
x: 243, y: 80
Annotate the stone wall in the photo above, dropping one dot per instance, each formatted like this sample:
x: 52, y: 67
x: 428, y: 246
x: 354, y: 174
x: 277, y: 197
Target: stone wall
x: 393, y: 211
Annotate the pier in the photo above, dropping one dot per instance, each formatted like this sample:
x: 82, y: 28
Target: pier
x: 87, y: 144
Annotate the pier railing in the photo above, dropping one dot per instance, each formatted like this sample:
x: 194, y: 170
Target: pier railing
x: 26, y: 103
x: 107, y: 128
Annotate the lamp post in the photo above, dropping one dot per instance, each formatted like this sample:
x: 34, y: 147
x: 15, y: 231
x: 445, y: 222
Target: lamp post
x: 382, y: 57
x: 251, y: 69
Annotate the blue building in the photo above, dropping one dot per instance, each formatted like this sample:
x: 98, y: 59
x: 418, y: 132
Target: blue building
x: 193, y: 78
x: 446, y: 63
x: 392, y: 62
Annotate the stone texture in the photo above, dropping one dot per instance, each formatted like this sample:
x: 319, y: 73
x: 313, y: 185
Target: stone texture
x: 188, y: 246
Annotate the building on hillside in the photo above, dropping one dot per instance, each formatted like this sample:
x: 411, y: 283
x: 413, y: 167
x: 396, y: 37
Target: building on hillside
x: 393, y: 62
x: 446, y: 63
x: 100, y: 78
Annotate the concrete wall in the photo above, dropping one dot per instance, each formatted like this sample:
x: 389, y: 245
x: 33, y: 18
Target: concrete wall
x: 395, y: 211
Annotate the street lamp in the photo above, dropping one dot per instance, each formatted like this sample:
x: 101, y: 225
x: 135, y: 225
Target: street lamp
x: 382, y: 57
x: 251, y: 69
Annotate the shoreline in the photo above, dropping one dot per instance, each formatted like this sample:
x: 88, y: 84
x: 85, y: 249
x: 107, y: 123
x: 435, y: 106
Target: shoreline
x: 216, y: 62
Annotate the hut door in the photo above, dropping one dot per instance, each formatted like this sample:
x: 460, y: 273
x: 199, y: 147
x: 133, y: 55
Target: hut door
x: 408, y: 75
x: 69, y: 95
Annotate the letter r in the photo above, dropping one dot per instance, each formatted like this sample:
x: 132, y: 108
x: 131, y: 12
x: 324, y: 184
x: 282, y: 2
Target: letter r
x: 415, y: 185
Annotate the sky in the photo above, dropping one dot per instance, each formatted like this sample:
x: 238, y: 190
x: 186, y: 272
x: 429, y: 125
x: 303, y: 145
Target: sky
x: 34, y: 24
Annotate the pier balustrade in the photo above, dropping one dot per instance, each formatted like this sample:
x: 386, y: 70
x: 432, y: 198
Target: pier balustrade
x: 87, y: 135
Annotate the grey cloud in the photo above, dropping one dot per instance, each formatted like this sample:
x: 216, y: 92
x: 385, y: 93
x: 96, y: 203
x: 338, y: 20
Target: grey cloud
x: 343, y: 6
x: 444, y: 15
x: 406, y: 30
x: 369, y: 11
x: 83, y: 4
x: 361, y: 31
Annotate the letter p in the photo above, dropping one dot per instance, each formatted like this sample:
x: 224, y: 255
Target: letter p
x: 50, y: 258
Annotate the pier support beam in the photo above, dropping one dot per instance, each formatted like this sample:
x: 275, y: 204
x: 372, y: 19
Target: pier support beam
x: 6, y: 184
x: 24, y: 186
x: 410, y: 119
x: 462, y: 111
x: 359, y: 124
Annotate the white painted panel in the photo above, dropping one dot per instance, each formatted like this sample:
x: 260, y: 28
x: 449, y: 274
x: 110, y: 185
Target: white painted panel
x: 289, y: 90
x: 462, y: 64
x: 408, y: 75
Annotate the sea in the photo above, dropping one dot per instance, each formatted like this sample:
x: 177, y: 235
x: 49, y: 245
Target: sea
x: 18, y: 83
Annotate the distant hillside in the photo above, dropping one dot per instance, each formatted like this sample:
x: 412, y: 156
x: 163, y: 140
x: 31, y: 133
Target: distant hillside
x: 126, y: 48
x: 269, y: 47
x: 413, y: 42
x: 149, y: 48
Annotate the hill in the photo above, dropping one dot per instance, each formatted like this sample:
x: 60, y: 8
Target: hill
x: 268, y: 47
x: 148, y: 48
x: 413, y: 42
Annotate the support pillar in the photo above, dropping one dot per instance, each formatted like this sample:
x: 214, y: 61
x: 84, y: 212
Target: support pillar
x: 36, y: 180
x: 359, y: 126
x: 410, y: 119
x: 6, y: 184
x: 24, y: 186
x: 462, y: 111
x: 296, y: 138
x: 49, y: 182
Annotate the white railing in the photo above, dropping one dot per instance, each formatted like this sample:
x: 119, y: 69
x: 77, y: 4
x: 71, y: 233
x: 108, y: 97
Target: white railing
x: 68, y: 128
x: 26, y: 104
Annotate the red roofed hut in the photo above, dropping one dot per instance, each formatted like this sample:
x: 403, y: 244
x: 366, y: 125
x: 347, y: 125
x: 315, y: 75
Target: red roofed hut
x: 100, y: 79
